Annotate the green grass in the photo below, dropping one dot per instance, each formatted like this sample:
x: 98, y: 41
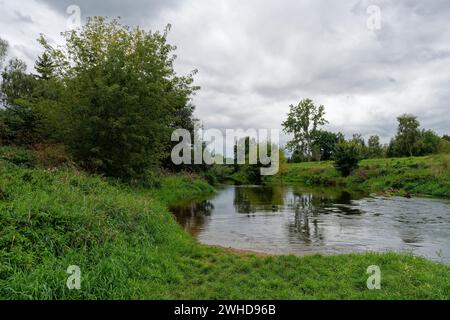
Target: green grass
x: 129, y: 246
x: 416, y: 175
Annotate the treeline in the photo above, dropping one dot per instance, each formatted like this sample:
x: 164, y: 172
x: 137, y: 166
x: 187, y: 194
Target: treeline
x: 108, y: 97
x: 310, y: 143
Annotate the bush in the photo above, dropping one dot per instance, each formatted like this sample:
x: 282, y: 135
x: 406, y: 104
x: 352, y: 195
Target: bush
x: 346, y: 157
x: 218, y: 173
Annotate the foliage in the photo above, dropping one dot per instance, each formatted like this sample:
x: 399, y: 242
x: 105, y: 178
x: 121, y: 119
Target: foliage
x: 52, y: 156
x: 374, y: 148
x: 249, y: 171
x: 19, y: 126
x: 18, y: 156
x: 444, y: 146
x: 3, y: 50
x: 218, y: 173
x: 16, y: 83
x: 428, y: 142
x: 45, y: 67
x: 111, y: 94
x: 347, y: 155
x: 324, y: 143
x: 302, y: 122
x: 410, y: 140
x: 428, y: 175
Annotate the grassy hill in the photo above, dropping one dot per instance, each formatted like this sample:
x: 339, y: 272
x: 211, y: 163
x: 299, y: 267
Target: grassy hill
x: 428, y: 175
x: 129, y: 246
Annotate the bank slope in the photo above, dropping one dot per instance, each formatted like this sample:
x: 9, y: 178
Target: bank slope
x: 415, y: 175
x: 128, y: 245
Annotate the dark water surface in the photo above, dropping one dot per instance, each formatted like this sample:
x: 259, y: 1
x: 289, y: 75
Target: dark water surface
x: 292, y: 220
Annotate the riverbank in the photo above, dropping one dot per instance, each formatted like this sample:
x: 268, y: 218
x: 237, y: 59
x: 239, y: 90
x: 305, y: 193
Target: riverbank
x: 428, y: 175
x: 128, y: 246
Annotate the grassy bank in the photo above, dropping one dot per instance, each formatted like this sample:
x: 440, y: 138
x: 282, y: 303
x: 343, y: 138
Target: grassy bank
x: 129, y: 246
x: 416, y: 175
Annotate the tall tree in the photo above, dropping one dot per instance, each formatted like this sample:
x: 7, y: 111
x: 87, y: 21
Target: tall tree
x: 408, y: 135
x: 120, y: 99
x: 303, y: 121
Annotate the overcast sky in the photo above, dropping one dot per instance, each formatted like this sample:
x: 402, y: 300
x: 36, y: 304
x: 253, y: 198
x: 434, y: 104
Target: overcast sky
x: 256, y: 57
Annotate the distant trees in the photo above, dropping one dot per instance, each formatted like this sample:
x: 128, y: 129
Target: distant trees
x: 374, y: 147
x: 410, y: 140
x: 303, y: 122
x: 408, y: 135
x: 310, y: 143
x: 324, y: 143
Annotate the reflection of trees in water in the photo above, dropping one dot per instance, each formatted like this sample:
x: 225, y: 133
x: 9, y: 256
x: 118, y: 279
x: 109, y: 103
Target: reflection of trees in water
x: 193, y: 216
x: 309, y: 206
x: 305, y: 224
x: 262, y: 199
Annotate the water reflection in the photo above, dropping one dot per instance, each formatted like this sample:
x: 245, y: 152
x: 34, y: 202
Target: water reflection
x: 193, y: 216
x: 292, y: 220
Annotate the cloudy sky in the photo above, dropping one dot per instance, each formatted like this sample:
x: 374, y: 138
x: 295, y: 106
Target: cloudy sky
x: 257, y: 57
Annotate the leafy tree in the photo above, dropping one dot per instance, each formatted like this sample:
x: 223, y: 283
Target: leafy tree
x: 446, y: 137
x: 16, y: 84
x: 347, y: 155
x: 408, y: 135
x: 324, y: 142
x: 119, y: 98
x: 19, y: 121
x: 375, y: 149
x: 303, y: 121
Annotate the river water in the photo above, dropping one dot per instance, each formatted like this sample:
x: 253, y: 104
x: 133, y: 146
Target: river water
x: 294, y: 220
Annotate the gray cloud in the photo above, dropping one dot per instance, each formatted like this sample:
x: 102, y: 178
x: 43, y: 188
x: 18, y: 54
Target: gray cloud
x: 132, y: 12
x: 255, y: 58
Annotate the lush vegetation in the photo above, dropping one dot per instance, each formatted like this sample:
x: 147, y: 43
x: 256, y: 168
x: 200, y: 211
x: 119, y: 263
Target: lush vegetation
x: 129, y: 246
x: 428, y: 175
x: 309, y: 143
x: 106, y: 102
x: 109, y: 94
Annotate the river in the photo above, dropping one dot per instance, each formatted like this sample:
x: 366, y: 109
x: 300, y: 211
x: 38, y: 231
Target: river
x: 299, y: 221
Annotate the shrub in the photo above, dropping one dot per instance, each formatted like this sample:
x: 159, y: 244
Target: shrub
x: 346, y: 157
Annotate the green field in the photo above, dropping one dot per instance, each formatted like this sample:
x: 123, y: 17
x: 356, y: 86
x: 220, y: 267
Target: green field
x: 129, y: 246
x: 428, y: 175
